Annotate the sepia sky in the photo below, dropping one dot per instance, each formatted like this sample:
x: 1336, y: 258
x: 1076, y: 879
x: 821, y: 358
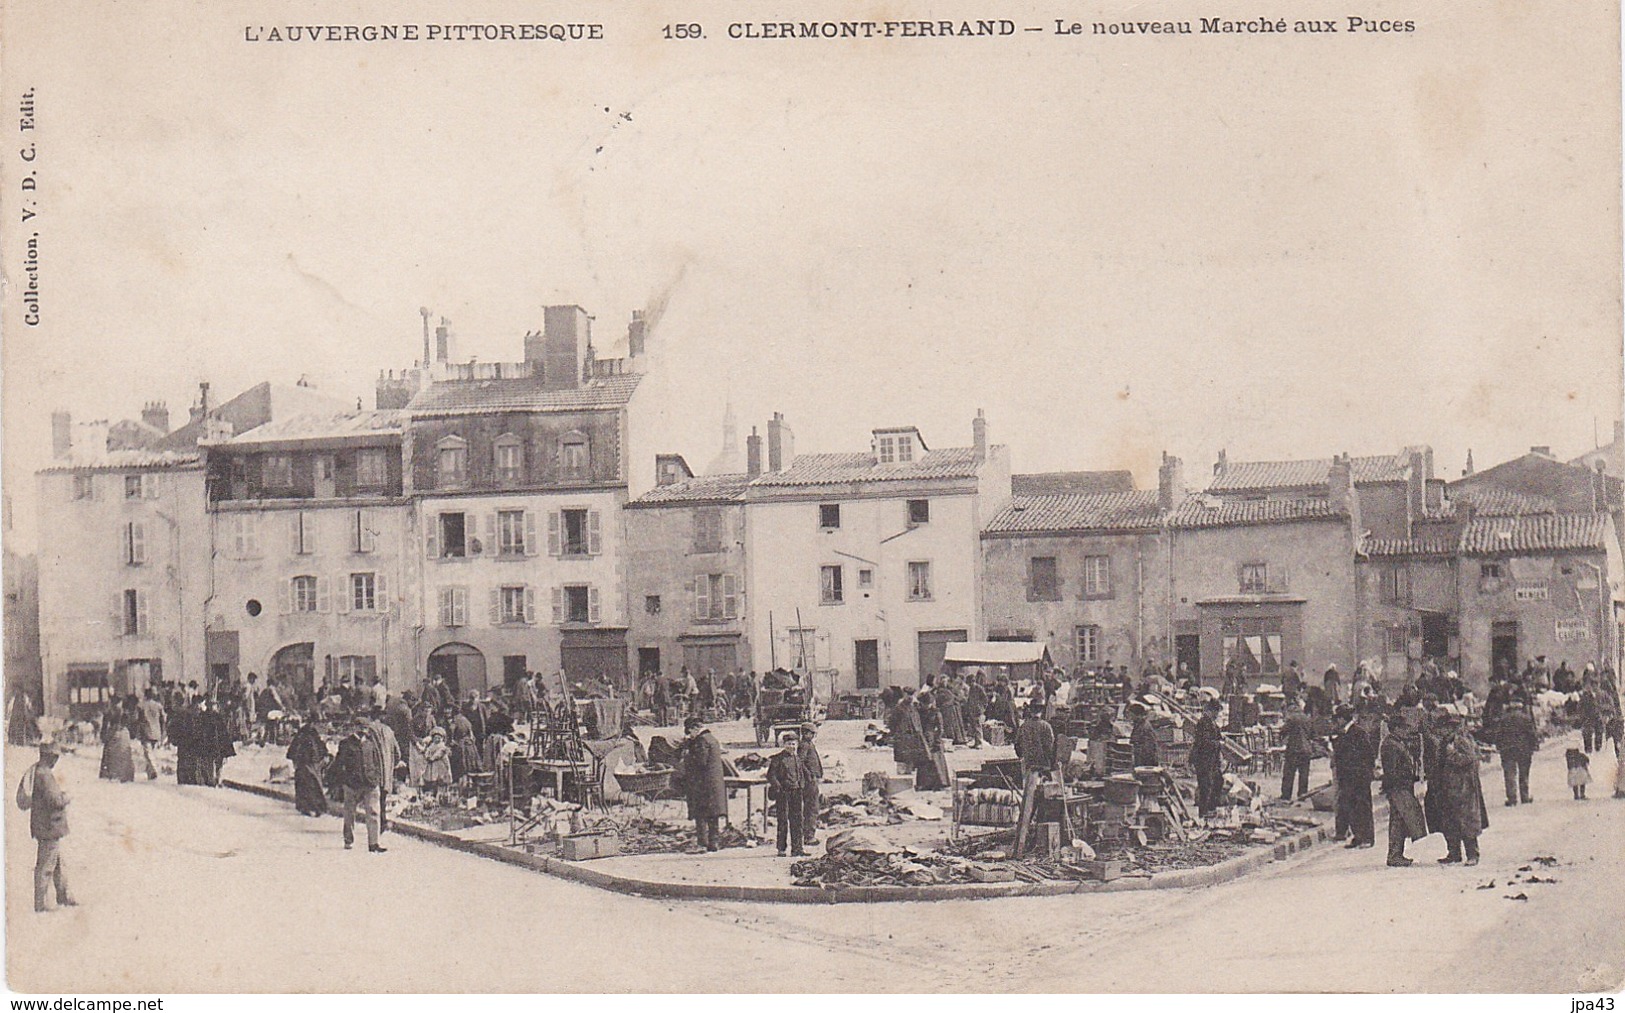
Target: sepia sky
x: 1287, y: 247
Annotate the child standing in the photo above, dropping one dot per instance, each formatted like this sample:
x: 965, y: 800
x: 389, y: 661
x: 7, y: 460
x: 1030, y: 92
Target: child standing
x: 1579, y: 772
x: 436, y: 763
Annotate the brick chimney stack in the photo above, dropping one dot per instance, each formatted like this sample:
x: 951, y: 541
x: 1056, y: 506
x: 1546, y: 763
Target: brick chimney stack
x: 753, y: 453
x: 781, y: 443
x: 156, y: 415
x: 61, y: 433
x: 1170, y: 482
x: 1219, y: 465
x: 978, y: 428
x: 636, y: 334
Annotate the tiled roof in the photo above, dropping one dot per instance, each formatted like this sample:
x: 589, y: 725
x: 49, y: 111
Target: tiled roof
x: 1240, y: 476
x: 832, y: 469
x: 1201, y: 512
x: 121, y: 460
x: 700, y: 489
x: 1392, y: 547
x: 1083, y: 483
x: 1490, y: 536
x: 522, y: 394
x: 1490, y: 501
x: 321, y: 426
x: 1117, y: 511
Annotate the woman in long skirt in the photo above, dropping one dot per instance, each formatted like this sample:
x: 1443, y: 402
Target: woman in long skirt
x: 309, y: 756
x: 117, y: 762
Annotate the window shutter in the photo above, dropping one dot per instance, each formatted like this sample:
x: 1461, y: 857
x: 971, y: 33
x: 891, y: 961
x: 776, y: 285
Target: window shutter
x: 444, y: 602
x: 324, y: 587
x: 118, y: 613
x: 1278, y: 578
x: 287, y: 597
x: 702, y: 597
x: 496, y: 606
x: 431, y: 537
x: 530, y: 605
x: 346, y: 591
x: 149, y: 486
x: 380, y: 593
x: 141, y: 613
x: 492, y: 546
x: 558, y: 606
x: 530, y: 533
x: 459, y: 605
x: 592, y: 605
x: 251, y: 535
x: 594, y: 543
x: 138, y: 542
x: 730, y: 597
x: 295, y: 546
x: 554, y: 518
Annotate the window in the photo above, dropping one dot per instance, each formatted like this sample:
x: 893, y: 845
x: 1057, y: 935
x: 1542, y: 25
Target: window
x: 511, y: 540
x: 866, y: 577
x: 1044, y: 582
x: 1097, y: 576
x: 452, y: 534
x: 1252, y: 644
x: 708, y: 529
x: 363, y: 592
x: 829, y: 516
x: 304, y: 594
x: 716, y: 596
x: 651, y: 604
x: 578, y: 603
x: 1254, y: 578
x: 135, y: 543
x: 84, y: 487
x: 512, y: 604
x: 451, y: 462
x: 510, y: 459
x: 358, y: 668
x: 132, y: 613
x: 1394, y: 640
x: 245, y: 536
x: 578, y: 532
x: 371, y: 470
x: 278, y: 471
x: 1489, y: 571
x: 886, y: 450
x: 301, y: 533
x: 453, y: 602
x: 574, y: 458
x: 919, y: 581
x: 1395, y: 583
x: 829, y: 585
x: 362, y: 536
x: 132, y: 486
x: 919, y: 511
x: 905, y: 448
x: 1088, y: 644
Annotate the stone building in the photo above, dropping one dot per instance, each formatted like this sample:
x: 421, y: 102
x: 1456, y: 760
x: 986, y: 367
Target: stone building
x: 865, y: 566
x: 686, y: 571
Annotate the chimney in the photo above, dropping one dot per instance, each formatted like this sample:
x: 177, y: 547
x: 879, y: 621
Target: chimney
x: 61, y: 433
x: 635, y: 334
x: 427, y: 354
x: 561, y: 347
x: 1170, y: 482
x: 443, y: 341
x: 1543, y: 451
x: 1599, y: 489
x: 1220, y: 464
x: 156, y: 415
x: 1468, y: 468
x: 753, y: 453
x: 781, y: 443
x: 978, y: 429
x: 1416, y: 477
x: 1340, y: 491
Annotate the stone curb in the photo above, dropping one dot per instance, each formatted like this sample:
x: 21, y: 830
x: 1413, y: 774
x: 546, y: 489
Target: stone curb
x: 1212, y: 875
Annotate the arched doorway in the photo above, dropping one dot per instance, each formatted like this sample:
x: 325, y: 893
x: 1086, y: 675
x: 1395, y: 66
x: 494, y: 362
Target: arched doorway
x: 296, y: 666
x: 462, y: 666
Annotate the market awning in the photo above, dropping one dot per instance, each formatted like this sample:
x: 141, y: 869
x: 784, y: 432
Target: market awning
x: 996, y: 652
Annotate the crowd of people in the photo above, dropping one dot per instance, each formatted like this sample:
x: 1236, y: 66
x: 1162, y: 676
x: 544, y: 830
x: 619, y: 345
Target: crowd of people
x: 706, y: 695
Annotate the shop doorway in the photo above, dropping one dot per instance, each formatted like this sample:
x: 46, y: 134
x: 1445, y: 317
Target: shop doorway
x: 295, y: 665
x: 462, y: 666
x: 1504, y: 647
x: 1188, y: 655
x: 867, y: 662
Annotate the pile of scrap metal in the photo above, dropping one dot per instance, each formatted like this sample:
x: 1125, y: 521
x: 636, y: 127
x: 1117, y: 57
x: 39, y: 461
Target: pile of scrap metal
x: 861, y: 857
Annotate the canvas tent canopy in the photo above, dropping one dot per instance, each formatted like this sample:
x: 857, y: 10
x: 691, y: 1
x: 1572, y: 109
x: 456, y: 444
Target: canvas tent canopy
x: 1023, y: 659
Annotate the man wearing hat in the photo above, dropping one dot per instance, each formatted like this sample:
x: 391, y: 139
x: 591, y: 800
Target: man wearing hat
x: 1207, y: 760
x: 1353, y: 765
x: 703, y: 783
x: 812, y: 769
x: 1405, y: 818
x: 48, y: 823
x: 787, y: 785
x: 1517, y: 739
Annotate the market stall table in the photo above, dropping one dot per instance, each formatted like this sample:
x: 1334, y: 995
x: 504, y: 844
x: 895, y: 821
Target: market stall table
x: 749, y: 783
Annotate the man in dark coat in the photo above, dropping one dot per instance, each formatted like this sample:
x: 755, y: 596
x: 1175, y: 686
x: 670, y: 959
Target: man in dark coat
x: 1456, y: 777
x: 787, y: 786
x: 359, y: 772
x: 812, y: 769
x: 1298, y: 736
x: 907, y: 738
x: 1035, y: 744
x: 1405, y: 819
x: 48, y: 824
x: 1353, y: 765
x: 1207, y: 759
x: 1143, y: 739
x: 703, y: 782
x: 976, y: 702
x: 1517, y: 739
